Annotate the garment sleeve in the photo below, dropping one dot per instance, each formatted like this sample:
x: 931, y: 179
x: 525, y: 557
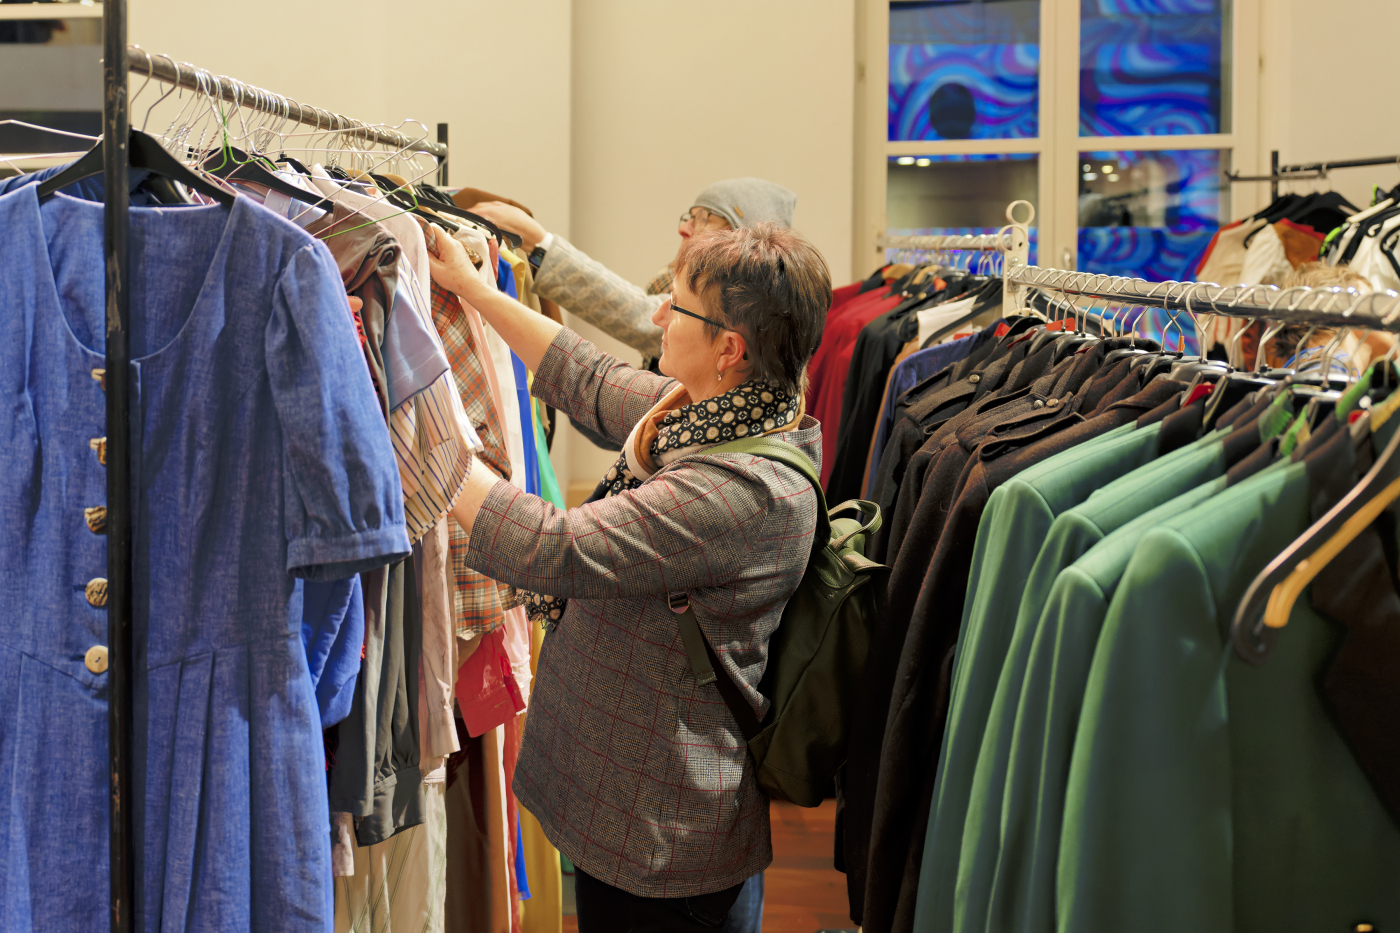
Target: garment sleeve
x: 599, y: 296
x: 702, y: 523
x: 596, y: 390
x: 343, y: 504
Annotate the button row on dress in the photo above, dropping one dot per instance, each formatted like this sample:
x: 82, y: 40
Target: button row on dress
x: 96, y: 517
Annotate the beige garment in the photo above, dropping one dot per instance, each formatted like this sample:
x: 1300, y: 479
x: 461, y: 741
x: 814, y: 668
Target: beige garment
x: 1223, y: 267
x: 400, y: 884
x: 497, y: 832
x: 438, y: 665
x: 1266, y: 261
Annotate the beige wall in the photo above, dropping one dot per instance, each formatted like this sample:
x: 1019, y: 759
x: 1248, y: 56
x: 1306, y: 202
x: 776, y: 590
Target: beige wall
x: 1314, y: 109
x: 669, y: 96
x: 497, y: 73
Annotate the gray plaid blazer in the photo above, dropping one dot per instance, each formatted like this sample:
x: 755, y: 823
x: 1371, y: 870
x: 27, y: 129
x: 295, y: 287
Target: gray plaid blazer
x: 636, y: 773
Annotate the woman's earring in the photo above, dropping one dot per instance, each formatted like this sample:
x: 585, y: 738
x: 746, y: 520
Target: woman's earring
x: 719, y: 377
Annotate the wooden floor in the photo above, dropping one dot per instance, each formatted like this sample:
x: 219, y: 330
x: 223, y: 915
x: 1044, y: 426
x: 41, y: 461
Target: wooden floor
x: 802, y: 892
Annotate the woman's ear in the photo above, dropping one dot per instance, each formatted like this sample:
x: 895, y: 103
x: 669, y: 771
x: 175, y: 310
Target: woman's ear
x: 733, y: 352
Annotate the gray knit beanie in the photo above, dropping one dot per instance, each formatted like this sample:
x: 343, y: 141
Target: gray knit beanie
x: 747, y: 201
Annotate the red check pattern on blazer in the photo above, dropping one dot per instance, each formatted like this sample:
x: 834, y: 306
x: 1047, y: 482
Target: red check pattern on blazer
x: 637, y: 773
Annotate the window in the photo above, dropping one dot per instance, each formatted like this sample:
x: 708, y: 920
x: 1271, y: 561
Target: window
x: 1114, y: 117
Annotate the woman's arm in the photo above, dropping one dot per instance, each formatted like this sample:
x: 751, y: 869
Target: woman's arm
x: 597, y: 391
x: 528, y: 334
x: 582, y: 285
x: 704, y: 523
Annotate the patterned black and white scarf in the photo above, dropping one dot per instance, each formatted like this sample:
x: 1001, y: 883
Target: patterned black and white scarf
x: 672, y: 430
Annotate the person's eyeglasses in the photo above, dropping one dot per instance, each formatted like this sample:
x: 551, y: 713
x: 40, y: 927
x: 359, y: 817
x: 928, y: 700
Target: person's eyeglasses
x: 699, y: 216
x: 699, y: 317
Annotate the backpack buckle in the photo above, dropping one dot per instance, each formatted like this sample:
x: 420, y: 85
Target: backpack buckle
x: 679, y: 602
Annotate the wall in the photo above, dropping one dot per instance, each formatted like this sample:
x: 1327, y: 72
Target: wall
x: 669, y: 96
x: 497, y: 73
x: 1314, y: 106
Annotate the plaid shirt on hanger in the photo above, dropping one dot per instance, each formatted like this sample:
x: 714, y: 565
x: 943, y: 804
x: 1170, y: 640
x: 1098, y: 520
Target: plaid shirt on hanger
x: 479, y: 606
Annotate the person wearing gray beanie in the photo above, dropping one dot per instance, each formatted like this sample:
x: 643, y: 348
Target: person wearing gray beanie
x: 566, y: 275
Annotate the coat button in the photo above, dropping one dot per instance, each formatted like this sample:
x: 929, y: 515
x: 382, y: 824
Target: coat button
x: 974, y: 378
x: 96, y: 591
x: 96, y: 519
x: 96, y: 659
x: 99, y: 444
x: 101, y: 376
x: 1037, y: 404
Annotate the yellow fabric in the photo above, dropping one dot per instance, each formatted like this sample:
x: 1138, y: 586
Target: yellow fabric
x: 544, y: 911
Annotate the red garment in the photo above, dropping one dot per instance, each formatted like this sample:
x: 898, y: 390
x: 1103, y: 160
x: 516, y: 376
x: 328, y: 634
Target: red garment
x: 844, y: 294
x: 832, y: 361
x: 487, y: 691
x: 819, y: 367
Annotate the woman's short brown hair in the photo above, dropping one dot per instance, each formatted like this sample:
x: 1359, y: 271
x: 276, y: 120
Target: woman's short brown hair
x: 769, y: 284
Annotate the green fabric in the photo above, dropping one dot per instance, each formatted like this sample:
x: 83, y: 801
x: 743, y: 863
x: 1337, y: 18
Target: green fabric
x: 549, y: 483
x: 1204, y: 793
x: 1017, y: 517
x: 1072, y: 535
x: 1022, y: 895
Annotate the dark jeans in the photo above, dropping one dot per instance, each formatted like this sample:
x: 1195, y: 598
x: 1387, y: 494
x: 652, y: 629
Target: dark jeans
x: 603, y: 908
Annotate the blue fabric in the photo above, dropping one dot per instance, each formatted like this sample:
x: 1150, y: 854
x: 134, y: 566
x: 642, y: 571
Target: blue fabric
x: 522, y: 884
x: 915, y: 368
x: 506, y: 277
x: 89, y: 189
x: 259, y: 455
x: 746, y: 916
x: 332, y: 632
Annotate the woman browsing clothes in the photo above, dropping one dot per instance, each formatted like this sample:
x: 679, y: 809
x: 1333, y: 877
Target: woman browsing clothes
x: 637, y: 773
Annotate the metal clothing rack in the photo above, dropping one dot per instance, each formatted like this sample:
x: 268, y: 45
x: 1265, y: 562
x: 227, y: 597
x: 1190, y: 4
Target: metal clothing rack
x: 1306, y: 170
x: 118, y: 60
x: 1012, y: 242
x: 1325, y: 307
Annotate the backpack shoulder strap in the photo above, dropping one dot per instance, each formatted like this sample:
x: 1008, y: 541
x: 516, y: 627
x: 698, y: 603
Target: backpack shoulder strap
x: 704, y: 664
x: 785, y: 453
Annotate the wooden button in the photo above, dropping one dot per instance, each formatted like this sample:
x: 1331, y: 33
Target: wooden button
x: 96, y: 591
x: 101, y: 376
x: 99, y: 444
x: 96, y: 519
x: 96, y: 659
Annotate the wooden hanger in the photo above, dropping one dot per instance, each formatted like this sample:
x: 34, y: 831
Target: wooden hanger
x: 1280, y: 584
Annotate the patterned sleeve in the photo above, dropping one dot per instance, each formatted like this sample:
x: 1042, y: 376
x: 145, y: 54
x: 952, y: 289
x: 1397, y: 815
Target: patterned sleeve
x: 704, y: 522
x: 596, y: 390
x: 599, y: 296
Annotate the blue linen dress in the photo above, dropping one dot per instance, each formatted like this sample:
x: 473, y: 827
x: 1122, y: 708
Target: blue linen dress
x: 259, y: 456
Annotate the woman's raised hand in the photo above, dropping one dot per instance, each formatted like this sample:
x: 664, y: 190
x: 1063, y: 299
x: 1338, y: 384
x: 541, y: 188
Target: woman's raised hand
x: 509, y: 217
x: 450, y: 266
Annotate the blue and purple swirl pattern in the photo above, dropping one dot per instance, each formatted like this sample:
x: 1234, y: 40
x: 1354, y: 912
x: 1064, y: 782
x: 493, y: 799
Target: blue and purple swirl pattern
x: 1150, y: 67
x: 1002, y: 80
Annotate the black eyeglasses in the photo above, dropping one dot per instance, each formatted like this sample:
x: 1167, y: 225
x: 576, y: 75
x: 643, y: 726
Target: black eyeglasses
x: 699, y: 317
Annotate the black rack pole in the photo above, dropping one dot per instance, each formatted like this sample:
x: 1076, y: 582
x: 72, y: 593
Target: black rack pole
x: 116, y: 135
x: 442, y: 159
x: 1273, y: 172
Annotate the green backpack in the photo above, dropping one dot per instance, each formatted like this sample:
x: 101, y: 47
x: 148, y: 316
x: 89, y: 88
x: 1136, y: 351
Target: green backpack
x: 816, y: 660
